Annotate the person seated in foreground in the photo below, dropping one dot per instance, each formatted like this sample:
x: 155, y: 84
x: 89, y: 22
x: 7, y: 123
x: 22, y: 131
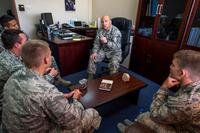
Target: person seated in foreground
x: 107, y: 44
x: 31, y: 104
x: 179, y: 112
x: 9, y: 22
x: 10, y: 58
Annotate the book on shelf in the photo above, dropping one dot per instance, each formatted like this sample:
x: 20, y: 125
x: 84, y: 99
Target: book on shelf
x: 106, y: 85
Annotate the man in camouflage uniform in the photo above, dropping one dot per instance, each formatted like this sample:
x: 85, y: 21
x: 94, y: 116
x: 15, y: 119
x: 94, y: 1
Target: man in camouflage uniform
x: 180, y: 112
x: 107, y: 44
x: 9, y: 22
x: 10, y: 58
x: 31, y: 104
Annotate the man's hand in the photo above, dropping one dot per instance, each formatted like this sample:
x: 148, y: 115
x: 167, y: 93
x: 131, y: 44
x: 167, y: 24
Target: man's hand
x: 77, y: 94
x: 93, y: 56
x: 169, y: 82
x: 103, y: 40
x: 68, y: 95
x: 52, y: 71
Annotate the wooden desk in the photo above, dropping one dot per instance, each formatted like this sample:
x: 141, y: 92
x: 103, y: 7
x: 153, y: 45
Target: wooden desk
x: 71, y: 56
x: 95, y: 97
x: 85, y: 31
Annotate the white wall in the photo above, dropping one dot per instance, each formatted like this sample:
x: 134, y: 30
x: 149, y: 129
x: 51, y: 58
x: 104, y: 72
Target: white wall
x: 86, y: 10
x: 115, y: 8
x: 33, y: 9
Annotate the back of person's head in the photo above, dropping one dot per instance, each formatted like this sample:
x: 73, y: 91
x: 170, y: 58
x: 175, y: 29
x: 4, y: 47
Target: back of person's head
x: 33, y: 53
x: 190, y: 60
x: 5, y: 19
x: 11, y: 36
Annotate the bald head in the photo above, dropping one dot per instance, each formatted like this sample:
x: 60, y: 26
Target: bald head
x: 106, y: 22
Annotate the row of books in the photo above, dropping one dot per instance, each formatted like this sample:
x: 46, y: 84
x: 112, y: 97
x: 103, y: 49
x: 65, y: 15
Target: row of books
x: 194, y: 37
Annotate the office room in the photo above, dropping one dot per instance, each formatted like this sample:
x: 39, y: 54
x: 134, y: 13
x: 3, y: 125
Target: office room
x: 158, y: 34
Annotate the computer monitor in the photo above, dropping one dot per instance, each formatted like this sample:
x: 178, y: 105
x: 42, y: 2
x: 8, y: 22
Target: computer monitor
x: 47, y: 18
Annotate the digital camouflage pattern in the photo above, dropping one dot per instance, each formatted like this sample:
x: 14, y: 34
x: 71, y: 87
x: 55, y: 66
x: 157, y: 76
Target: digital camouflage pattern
x: 10, y: 63
x: 1, y: 46
x: 177, y: 113
x: 111, y: 50
x: 31, y: 104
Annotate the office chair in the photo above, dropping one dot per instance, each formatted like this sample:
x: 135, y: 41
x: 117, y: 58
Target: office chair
x: 124, y: 25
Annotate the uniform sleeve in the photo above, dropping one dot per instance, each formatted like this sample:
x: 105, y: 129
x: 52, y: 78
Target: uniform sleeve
x: 54, y: 64
x: 114, y: 41
x: 70, y: 115
x: 49, y: 78
x: 170, y: 109
x: 96, y: 44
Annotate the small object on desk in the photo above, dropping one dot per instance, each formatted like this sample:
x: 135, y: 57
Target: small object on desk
x: 106, y: 85
x: 126, y: 77
x: 77, y: 37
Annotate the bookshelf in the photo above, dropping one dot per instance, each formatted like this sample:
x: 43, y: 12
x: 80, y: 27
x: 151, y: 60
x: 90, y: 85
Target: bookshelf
x: 162, y: 28
x: 191, y: 39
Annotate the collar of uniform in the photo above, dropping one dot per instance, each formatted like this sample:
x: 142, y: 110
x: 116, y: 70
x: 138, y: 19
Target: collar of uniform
x: 30, y: 71
x: 11, y: 53
x: 190, y: 86
x: 108, y: 31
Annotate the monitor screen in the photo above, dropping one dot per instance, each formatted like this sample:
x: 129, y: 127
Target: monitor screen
x: 47, y: 18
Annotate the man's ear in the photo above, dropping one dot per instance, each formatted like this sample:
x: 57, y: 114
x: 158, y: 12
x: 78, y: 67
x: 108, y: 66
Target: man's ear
x: 184, y: 72
x: 45, y: 60
x: 17, y: 45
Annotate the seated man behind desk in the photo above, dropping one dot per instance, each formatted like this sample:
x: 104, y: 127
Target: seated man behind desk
x: 31, y: 104
x: 180, y: 112
x: 107, y: 44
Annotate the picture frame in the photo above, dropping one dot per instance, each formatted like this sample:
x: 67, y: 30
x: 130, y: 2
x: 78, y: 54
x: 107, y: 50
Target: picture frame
x: 70, y: 5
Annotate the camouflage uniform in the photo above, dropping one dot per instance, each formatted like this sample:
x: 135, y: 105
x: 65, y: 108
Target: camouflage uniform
x: 9, y: 63
x: 31, y: 104
x: 178, y: 113
x: 48, y: 77
x: 1, y: 45
x: 111, y: 50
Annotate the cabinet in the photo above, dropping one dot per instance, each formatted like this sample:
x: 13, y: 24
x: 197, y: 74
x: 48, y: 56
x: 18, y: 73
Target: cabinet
x: 191, y: 38
x: 160, y: 28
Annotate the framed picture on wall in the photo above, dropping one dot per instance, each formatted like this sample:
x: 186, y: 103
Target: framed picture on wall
x: 70, y: 5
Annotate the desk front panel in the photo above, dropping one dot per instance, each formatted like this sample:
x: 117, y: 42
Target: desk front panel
x: 71, y: 56
x: 74, y: 57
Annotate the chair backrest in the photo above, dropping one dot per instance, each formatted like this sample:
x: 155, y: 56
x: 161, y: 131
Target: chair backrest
x: 124, y: 25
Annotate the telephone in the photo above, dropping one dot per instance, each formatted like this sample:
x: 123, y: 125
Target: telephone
x: 67, y: 26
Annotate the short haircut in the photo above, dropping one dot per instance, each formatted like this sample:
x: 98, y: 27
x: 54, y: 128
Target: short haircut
x: 5, y: 19
x: 11, y: 36
x: 33, y: 53
x: 190, y: 60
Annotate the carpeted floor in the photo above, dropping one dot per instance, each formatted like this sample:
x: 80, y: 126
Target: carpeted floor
x: 109, y: 122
